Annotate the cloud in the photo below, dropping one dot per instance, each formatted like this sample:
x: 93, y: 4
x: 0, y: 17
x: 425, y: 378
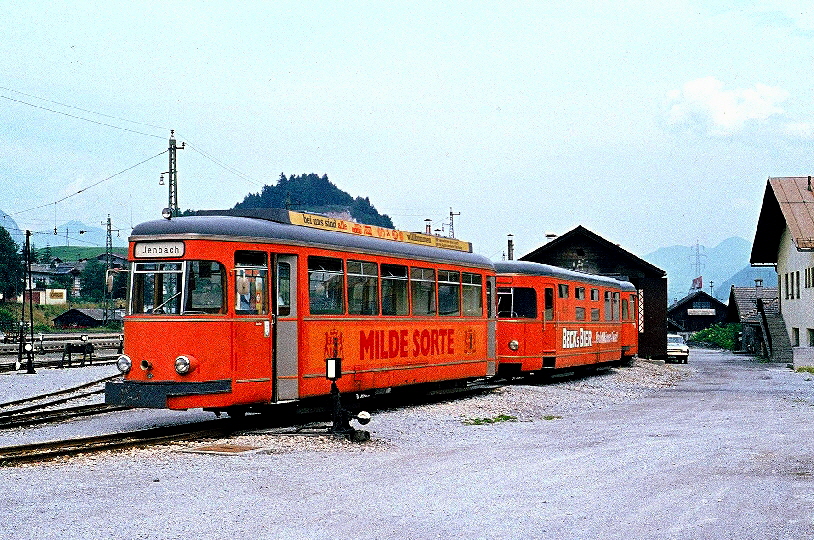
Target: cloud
x: 705, y: 104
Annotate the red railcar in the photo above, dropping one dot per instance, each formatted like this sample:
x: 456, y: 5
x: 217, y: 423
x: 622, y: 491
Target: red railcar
x: 551, y: 318
x: 230, y: 312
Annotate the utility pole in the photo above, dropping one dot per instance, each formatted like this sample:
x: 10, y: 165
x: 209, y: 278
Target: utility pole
x: 452, y: 222
x: 27, y: 347
x: 173, y: 175
x: 108, y: 257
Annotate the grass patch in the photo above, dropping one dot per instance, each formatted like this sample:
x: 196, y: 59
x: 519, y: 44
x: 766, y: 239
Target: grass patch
x: 551, y: 417
x: 495, y: 420
x: 805, y: 369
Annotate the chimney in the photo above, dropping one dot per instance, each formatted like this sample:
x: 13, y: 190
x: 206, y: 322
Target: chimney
x: 809, y: 182
x: 511, y: 247
x: 428, y: 226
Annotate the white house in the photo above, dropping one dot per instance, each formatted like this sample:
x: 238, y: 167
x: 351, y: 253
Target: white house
x: 785, y: 239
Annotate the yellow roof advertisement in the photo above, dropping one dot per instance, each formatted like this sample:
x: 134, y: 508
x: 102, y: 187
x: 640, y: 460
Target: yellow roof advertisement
x: 372, y: 231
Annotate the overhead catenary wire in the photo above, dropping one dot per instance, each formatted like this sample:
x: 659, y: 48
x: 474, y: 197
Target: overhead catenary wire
x: 83, y: 110
x: 88, y: 187
x: 80, y: 117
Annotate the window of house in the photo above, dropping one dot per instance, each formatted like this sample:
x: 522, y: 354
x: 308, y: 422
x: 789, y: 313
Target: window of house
x: 580, y: 313
x: 595, y: 295
x: 795, y: 337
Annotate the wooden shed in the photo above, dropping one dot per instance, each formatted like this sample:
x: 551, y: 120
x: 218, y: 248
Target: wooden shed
x: 696, y: 311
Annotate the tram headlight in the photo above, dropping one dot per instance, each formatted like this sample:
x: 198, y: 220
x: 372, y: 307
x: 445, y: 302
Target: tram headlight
x: 514, y: 344
x: 123, y: 363
x: 184, y: 364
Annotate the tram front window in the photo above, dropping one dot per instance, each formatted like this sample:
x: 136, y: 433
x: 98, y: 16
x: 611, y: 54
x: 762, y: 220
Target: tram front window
x: 177, y: 288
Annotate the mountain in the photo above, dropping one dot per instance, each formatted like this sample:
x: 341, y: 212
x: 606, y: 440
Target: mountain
x: 724, y: 265
x: 313, y: 193
x: 13, y: 229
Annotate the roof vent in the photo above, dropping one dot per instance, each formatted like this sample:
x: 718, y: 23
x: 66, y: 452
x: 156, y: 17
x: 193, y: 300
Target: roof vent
x: 809, y: 182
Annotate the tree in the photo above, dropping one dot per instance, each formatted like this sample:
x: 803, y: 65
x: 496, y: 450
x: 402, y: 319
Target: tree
x: 12, y: 270
x: 93, y: 281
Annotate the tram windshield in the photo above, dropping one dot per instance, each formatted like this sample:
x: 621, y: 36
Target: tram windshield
x: 178, y: 288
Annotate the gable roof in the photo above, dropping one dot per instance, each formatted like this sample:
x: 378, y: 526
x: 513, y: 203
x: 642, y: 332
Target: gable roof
x: 788, y: 202
x: 693, y: 296
x: 743, y: 303
x: 539, y: 254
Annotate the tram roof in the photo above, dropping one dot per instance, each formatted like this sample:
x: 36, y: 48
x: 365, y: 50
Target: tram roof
x: 538, y: 269
x: 269, y: 230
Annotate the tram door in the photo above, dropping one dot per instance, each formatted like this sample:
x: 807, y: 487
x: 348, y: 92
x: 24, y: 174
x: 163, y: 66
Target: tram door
x: 549, y: 342
x: 285, y: 342
x: 251, y: 327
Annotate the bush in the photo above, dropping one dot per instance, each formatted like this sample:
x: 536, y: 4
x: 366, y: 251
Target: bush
x: 723, y: 336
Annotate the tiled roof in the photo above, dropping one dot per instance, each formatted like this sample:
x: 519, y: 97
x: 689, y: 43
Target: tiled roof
x: 744, y: 299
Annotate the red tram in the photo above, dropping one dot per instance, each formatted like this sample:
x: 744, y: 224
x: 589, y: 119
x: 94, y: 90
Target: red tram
x: 229, y: 312
x: 551, y: 318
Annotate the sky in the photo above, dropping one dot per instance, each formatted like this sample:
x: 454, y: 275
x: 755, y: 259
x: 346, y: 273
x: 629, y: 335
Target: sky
x: 652, y: 123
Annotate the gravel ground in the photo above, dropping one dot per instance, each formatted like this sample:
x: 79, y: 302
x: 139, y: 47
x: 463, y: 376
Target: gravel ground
x: 714, y: 449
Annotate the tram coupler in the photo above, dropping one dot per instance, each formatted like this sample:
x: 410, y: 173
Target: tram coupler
x: 341, y: 418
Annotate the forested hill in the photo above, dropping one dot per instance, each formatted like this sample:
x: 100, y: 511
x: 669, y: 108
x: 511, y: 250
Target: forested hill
x: 312, y: 193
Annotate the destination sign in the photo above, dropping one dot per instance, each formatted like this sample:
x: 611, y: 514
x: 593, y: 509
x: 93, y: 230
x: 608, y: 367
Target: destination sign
x: 340, y: 225
x: 144, y: 250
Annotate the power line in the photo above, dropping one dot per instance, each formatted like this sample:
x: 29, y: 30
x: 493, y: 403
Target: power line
x: 81, y: 109
x: 221, y: 164
x: 90, y: 186
x: 79, y: 117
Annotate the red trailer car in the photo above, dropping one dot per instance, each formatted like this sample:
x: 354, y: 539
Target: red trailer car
x: 551, y: 318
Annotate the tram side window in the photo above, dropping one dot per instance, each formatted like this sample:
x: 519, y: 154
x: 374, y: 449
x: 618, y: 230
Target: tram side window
x: 363, y: 285
x: 283, y: 289
x: 625, y: 310
x: 563, y: 290
x: 608, y: 306
x: 549, y: 304
x: 205, y: 287
x: 615, y: 306
x: 157, y: 288
x: 325, y: 286
x: 394, y: 290
x: 449, y: 293
x: 422, y: 290
x: 516, y: 303
x: 251, y: 283
x: 472, y: 294
x: 579, y: 293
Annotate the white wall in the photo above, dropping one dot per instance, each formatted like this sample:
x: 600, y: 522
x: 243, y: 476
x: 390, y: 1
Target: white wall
x: 798, y: 313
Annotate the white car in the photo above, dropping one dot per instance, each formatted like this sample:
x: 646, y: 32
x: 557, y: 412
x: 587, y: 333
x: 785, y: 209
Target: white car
x: 677, y: 350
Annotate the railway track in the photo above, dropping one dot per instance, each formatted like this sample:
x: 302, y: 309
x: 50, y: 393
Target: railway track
x: 43, y: 409
x: 26, y: 453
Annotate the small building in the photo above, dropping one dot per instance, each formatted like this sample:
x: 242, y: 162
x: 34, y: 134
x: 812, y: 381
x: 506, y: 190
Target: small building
x: 696, y: 311
x: 752, y: 307
x: 585, y: 251
x: 784, y: 239
x: 85, y: 318
x: 46, y: 297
